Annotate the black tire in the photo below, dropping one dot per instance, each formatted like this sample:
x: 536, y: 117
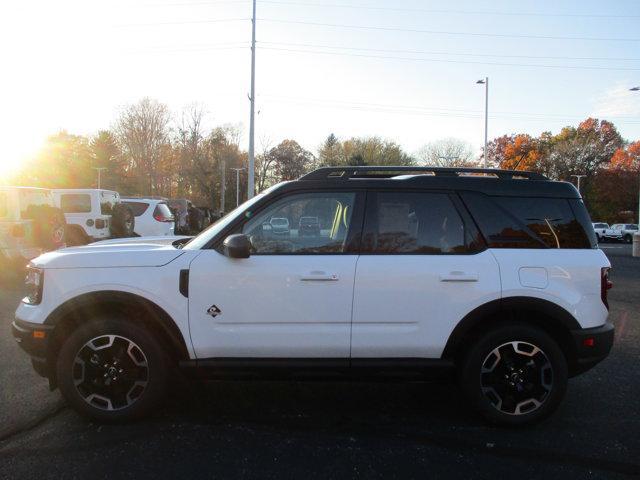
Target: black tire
x: 130, y: 372
x: 598, y: 238
x: 505, y: 395
x: 122, y: 221
x: 628, y: 238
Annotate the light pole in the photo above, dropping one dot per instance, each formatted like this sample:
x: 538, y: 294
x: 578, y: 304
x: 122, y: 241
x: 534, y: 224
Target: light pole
x: 485, y: 82
x: 237, y: 170
x: 252, y: 98
x: 637, y: 89
x: 579, y: 177
x: 99, y: 169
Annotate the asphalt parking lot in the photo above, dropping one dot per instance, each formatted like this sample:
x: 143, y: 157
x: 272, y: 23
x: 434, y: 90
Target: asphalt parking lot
x: 332, y: 430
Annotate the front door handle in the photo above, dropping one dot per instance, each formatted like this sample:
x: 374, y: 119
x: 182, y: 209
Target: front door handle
x: 319, y: 276
x: 459, y: 277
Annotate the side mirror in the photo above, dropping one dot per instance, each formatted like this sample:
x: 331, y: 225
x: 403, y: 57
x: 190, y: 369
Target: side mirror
x: 237, y: 246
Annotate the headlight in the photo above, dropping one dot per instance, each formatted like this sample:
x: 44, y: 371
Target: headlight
x: 34, y: 283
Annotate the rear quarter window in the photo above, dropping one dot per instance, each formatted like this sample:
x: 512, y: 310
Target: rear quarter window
x: 138, y: 208
x: 531, y: 222
x: 75, y: 203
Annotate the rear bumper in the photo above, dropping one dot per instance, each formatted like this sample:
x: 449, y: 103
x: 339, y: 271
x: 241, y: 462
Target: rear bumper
x: 34, y: 339
x: 592, y: 345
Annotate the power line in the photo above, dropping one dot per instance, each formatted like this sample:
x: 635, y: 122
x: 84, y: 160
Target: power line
x: 463, y: 54
x: 183, y: 22
x: 436, y: 109
x: 445, y: 11
x: 446, y: 32
x: 442, y: 60
x: 424, y: 111
x: 402, y: 9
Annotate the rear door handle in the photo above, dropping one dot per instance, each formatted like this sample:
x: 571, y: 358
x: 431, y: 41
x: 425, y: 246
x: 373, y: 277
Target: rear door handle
x: 459, y: 277
x: 318, y: 276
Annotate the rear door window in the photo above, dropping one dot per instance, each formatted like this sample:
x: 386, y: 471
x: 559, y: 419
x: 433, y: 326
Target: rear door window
x: 75, y: 202
x: 138, y: 208
x: 413, y: 223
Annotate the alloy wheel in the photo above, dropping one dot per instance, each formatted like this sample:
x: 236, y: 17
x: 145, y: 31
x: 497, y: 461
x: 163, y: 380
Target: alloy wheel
x: 110, y: 372
x: 516, y: 377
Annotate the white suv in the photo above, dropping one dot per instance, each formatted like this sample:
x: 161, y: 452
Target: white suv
x: 491, y: 275
x: 94, y: 214
x: 153, y: 218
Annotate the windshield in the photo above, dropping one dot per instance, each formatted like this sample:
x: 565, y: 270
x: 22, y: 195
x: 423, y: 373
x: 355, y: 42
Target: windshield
x: 205, y: 236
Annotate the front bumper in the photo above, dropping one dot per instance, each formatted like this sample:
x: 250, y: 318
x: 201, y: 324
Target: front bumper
x: 34, y: 339
x: 592, y: 345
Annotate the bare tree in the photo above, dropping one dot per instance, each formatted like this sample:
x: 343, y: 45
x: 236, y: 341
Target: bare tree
x: 447, y: 152
x: 264, y: 163
x: 142, y: 131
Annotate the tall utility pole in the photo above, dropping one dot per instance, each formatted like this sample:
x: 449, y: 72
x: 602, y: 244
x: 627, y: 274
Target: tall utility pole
x: 579, y: 177
x: 637, y: 89
x: 252, y: 98
x: 237, y: 170
x: 99, y: 169
x: 486, y: 116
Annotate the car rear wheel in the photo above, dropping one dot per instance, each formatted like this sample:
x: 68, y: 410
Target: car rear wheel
x: 514, y: 375
x: 628, y: 238
x: 111, y: 370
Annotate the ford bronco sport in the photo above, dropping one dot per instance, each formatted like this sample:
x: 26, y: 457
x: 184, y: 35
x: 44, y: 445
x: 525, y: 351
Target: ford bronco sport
x: 492, y: 276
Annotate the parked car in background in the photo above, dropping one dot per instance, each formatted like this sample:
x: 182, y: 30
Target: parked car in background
x: 604, y: 232
x: 29, y: 226
x: 627, y: 230
x: 152, y: 216
x: 94, y: 214
x: 279, y: 226
x: 309, y: 226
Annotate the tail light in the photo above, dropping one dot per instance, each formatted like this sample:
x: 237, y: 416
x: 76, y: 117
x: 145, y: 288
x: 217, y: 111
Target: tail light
x: 605, y: 285
x: 162, y: 218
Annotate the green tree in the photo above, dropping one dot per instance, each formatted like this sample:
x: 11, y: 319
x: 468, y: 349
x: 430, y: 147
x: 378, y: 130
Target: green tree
x: 64, y: 161
x: 106, y: 153
x: 331, y: 153
x: 290, y: 160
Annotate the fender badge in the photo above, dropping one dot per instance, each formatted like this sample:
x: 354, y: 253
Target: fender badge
x: 214, y: 311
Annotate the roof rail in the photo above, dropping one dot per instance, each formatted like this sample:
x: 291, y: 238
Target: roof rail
x: 349, y: 172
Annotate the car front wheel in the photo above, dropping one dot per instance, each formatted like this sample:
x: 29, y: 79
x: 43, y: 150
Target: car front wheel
x: 111, y: 370
x: 514, y: 375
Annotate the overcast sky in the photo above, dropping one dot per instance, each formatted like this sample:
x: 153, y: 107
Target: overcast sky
x: 404, y: 70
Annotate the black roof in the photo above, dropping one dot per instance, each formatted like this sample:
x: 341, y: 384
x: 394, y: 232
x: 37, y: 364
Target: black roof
x: 489, y: 181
